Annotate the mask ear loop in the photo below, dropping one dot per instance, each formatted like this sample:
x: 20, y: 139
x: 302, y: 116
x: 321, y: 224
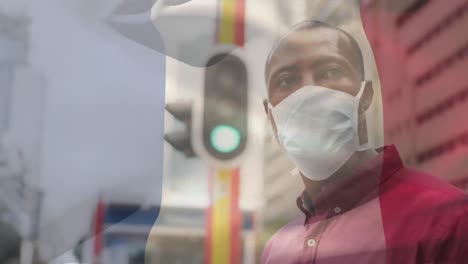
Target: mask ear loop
x: 361, y: 89
x: 270, y: 112
x: 364, y: 146
x: 271, y: 119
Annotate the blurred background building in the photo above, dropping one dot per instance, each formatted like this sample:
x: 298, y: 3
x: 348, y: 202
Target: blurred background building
x: 22, y: 93
x: 422, y: 58
x: 73, y: 124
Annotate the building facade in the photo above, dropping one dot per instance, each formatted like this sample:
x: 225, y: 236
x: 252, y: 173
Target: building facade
x: 422, y: 53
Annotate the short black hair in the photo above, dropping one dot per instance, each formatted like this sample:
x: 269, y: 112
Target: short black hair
x: 313, y: 24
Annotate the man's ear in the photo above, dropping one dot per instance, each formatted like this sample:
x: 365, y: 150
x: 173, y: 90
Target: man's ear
x: 367, y: 96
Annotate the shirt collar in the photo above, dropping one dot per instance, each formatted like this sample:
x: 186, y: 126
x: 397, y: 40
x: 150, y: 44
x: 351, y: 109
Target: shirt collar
x: 341, y: 195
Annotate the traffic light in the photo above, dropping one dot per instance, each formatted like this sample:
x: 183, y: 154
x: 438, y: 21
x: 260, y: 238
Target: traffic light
x: 181, y: 140
x: 223, y: 120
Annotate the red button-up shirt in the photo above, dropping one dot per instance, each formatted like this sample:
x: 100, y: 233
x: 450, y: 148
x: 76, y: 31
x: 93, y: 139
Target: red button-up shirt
x: 383, y: 213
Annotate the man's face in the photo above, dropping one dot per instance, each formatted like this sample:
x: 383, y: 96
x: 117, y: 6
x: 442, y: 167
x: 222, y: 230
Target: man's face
x: 320, y: 57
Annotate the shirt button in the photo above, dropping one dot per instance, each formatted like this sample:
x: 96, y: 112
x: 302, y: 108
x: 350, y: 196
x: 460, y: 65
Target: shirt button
x: 337, y: 210
x: 311, y: 242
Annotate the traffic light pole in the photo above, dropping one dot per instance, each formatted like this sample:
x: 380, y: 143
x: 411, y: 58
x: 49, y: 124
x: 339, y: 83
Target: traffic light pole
x: 223, y: 241
x: 220, y: 134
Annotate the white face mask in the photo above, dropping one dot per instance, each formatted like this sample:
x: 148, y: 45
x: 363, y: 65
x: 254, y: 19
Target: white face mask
x: 318, y: 128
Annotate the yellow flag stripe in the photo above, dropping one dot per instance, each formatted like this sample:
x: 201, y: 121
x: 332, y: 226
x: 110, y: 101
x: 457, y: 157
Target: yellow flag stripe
x: 227, y: 28
x: 221, y: 229
x: 223, y: 224
x: 221, y: 232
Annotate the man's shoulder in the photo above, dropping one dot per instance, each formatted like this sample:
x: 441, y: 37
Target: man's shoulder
x: 414, y: 192
x: 420, y: 208
x: 423, y: 179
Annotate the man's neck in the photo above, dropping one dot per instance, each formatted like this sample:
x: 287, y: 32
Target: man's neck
x: 354, y: 162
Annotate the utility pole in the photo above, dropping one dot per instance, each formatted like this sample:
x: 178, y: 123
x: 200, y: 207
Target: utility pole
x: 18, y: 193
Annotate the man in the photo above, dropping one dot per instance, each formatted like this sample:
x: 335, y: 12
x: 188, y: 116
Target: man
x: 359, y: 205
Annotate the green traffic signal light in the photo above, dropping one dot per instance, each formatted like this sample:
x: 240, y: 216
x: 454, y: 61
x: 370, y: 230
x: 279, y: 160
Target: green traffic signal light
x: 224, y: 120
x: 225, y: 138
